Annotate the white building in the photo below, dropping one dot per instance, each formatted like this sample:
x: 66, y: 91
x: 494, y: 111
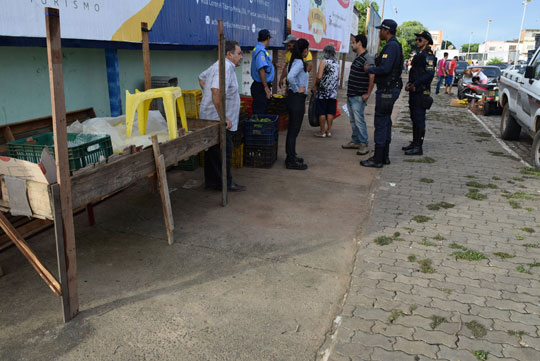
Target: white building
x: 505, y: 50
x: 527, y: 42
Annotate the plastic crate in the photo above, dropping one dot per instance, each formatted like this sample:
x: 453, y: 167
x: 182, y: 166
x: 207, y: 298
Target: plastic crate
x: 238, y: 156
x: 260, y: 156
x: 261, y: 133
x: 277, y: 105
x: 248, y: 104
x: 192, y: 102
x: 83, y: 149
x: 190, y: 164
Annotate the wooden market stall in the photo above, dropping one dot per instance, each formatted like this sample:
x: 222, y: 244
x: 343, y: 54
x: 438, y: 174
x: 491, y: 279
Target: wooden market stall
x: 53, y: 194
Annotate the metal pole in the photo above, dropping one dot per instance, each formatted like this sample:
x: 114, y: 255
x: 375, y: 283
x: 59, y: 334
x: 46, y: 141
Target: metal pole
x: 469, y: 49
x: 222, y: 114
x: 524, y: 3
x: 485, y: 42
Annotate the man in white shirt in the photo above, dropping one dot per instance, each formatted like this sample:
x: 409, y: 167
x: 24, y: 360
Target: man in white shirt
x: 209, y: 108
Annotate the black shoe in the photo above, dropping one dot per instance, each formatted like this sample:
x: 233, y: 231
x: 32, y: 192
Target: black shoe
x: 295, y: 165
x: 414, y: 141
x: 386, y: 158
x: 376, y: 161
x: 415, y: 151
x: 299, y: 160
x: 236, y: 188
x: 407, y: 147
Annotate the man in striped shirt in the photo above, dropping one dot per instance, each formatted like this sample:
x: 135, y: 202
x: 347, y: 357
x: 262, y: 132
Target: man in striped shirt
x: 359, y: 87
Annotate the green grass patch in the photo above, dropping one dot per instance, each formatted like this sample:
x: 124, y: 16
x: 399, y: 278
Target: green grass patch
x: 425, y: 266
x: 426, y: 180
x: 437, y: 206
x: 521, y: 186
x: 471, y: 176
x: 409, y: 229
x: 438, y: 237
x: 510, y: 181
x: 395, y: 315
x: 412, y: 308
x: 383, y: 240
x: 527, y: 229
x: 480, y: 185
x: 519, y: 237
x: 530, y: 171
x: 478, y: 330
x: 522, y: 269
x: 522, y: 195
x: 398, y: 214
x: 528, y: 209
x: 496, y: 178
x: 427, y: 160
x: 516, y: 333
x: 481, y: 355
x: 446, y: 290
x: 469, y: 255
x: 504, y: 255
x: 475, y: 195
x: 454, y: 245
x: 411, y: 258
x: 531, y: 245
x: 427, y: 243
x: 518, y: 179
x: 501, y: 154
x: 436, y: 321
x: 482, y: 134
x: 514, y: 204
x: 421, y: 219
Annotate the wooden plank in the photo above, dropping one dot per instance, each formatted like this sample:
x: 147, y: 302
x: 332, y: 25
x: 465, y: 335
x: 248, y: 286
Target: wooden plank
x: 56, y: 204
x: 146, y: 57
x: 343, y: 57
x: 15, y: 236
x: 128, y: 169
x: 222, y: 114
x: 58, y: 104
x: 163, y: 189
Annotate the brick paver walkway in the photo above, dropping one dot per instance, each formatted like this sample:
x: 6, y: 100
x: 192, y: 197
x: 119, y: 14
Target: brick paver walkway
x: 448, y: 269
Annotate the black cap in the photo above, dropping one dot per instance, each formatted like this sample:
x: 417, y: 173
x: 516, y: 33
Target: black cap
x: 264, y: 34
x: 388, y: 24
x: 426, y: 35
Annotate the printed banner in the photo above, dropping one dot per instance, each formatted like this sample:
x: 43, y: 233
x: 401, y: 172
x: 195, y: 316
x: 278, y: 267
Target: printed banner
x: 323, y: 22
x: 182, y: 22
x: 373, y: 33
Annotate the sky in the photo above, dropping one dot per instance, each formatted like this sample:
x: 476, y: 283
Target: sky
x: 457, y: 18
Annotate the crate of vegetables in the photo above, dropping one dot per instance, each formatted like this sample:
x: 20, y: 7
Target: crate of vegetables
x: 261, y: 129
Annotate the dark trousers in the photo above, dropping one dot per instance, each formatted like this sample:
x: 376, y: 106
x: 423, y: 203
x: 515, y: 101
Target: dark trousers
x: 383, y: 119
x: 260, y: 101
x: 418, y: 114
x: 212, y: 164
x: 296, y: 104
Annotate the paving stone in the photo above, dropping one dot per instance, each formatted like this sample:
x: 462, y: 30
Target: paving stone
x: 483, y: 292
x: 357, y: 324
x: 395, y: 286
x: 513, y: 326
x: 370, y: 314
x: 412, y: 280
x: 413, y: 321
x: 415, y: 347
x: 529, y: 341
x: 463, y: 281
x: 490, y: 312
x: 451, y: 306
x: 525, y: 318
x: 435, y: 337
x: 349, y: 349
x: 479, y: 344
x: 380, y: 354
x: 372, y: 340
x: 379, y: 276
x: 521, y: 353
x: 393, y: 330
x: 455, y: 354
x: 505, y: 304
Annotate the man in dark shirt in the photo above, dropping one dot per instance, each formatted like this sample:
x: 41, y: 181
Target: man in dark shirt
x: 388, y: 79
x: 359, y: 87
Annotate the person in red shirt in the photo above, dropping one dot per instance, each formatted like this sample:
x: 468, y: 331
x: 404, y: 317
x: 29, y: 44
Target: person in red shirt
x: 450, y: 76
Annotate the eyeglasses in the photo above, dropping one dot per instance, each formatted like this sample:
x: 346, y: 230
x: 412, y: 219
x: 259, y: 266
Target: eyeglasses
x: 419, y: 40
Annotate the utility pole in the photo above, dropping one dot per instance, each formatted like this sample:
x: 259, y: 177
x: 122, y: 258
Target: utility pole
x: 469, y: 49
x: 485, y: 43
x: 524, y: 3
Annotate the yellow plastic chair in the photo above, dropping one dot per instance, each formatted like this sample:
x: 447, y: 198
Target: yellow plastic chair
x: 140, y: 102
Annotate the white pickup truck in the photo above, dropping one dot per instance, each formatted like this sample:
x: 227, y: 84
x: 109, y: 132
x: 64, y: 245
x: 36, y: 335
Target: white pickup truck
x: 519, y: 97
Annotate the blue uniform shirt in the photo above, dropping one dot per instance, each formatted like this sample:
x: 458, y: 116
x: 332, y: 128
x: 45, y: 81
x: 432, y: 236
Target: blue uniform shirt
x: 260, y: 58
x: 389, y: 55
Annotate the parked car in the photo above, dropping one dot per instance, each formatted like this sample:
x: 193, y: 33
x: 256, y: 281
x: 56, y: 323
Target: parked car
x: 489, y: 92
x: 501, y: 66
x: 520, y: 68
x: 461, y: 66
x: 520, y: 100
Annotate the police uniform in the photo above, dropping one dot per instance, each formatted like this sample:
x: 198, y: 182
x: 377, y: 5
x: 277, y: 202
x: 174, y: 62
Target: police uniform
x: 420, y: 76
x: 387, y: 70
x: 260, y: 58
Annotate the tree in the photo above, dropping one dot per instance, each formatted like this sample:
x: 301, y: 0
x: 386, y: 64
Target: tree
x: 495, y: 61
x: 362, y: 7
x: 474, y: 48
x: 406, y: 48
x: 447, y: 44
x: 406, y: 32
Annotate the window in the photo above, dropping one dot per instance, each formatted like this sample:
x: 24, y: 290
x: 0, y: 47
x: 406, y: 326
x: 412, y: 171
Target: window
x: 537, y: 68
x: 491, y: 48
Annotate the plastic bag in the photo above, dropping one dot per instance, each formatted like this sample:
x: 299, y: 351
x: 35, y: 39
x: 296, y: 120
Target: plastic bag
x: 312, y: 114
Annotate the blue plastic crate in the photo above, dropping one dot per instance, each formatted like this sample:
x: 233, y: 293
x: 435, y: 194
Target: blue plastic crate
x: 261, y: 133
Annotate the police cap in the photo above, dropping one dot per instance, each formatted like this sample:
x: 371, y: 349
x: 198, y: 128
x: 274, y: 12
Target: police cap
x: 388, y: 24
x: 426, y: 35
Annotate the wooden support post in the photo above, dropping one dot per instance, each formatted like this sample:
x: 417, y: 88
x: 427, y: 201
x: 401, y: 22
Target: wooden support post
x: 275, y: 59
x: 163, y: 189
x: 17, y: 239
x: 343, y: 57
x: 54, y: 52
x: 146, y: 57
x: 54, y: 196
x: 222, y: 114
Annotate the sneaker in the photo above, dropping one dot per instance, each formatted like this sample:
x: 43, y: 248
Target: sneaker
x: 328, y: 134
x: 362, y: 149
x: 351, y: 145
x: 319, y: 135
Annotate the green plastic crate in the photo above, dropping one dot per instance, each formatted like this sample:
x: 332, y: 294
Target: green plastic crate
x: 190, y: 164
x: 83, y: 149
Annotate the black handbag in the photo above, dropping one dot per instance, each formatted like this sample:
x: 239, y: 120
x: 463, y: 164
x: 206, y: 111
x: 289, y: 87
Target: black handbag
x: 426, y: 101
x: 312, y: 114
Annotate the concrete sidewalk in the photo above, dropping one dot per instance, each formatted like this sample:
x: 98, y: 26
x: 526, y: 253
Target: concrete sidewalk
x: 261, y: 279
x: 448, y: 269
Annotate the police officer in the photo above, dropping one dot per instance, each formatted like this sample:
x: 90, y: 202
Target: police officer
x: 262, y: 72
x: 419, y: 85
x: 387, y: 70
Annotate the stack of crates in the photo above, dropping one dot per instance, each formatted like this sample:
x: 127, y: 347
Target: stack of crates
x: 278, y: 105
x: 238, y: 156
x: 261, y: 141
x: 246, y: 105
x: 192, y: 102
x: 189, y: 164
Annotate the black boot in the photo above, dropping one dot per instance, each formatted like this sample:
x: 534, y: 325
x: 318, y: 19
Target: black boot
x: 376, y: 161
x: 417, y: 150
x: 414, y: 139
x: 386, y: 158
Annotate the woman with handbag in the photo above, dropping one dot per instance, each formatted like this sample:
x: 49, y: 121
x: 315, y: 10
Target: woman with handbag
x: 325, y: 88
x: 298, y: 78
